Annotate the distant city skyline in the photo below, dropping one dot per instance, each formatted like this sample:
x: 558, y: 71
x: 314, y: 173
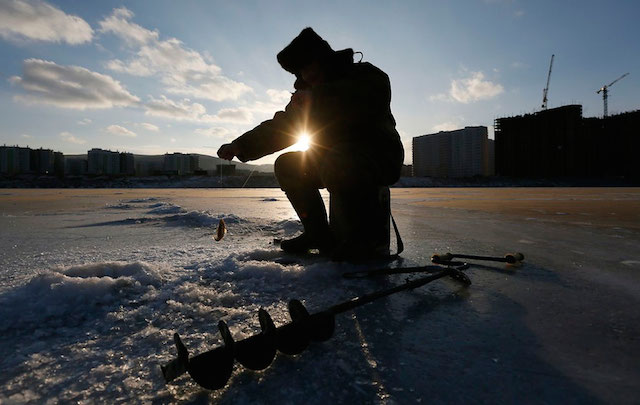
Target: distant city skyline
x: 21, y: 160
x: 153, y: 77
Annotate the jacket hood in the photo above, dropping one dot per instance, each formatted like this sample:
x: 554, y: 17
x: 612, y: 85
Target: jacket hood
x: 304, y: 49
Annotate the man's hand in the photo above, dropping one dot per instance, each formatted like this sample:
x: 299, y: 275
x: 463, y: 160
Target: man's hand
x: 228, y: 151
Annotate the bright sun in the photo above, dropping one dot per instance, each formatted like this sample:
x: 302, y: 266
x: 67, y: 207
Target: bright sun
x: 303, y: 142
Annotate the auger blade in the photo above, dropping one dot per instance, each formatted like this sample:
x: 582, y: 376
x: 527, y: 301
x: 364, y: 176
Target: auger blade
x: 176, y: 367
x: 257, y: 352
x: 293, y: 337
x: 319, y: 326
x: 212, y: 369
x: 297, y: 311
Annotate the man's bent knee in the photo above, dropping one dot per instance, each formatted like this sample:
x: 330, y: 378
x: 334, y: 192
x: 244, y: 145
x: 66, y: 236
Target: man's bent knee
x: 288, y: 169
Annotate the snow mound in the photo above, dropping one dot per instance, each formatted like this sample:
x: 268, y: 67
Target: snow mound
x: 68, y: 296
x: 139, y: 272
x: 262, y: 265
x: 258, y: 255
x: 203, y: 219
x: 120, y: 206
x: 142, y: 200
x: 163, y: 208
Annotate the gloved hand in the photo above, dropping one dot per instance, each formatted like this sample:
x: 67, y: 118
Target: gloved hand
x: 228, y: 151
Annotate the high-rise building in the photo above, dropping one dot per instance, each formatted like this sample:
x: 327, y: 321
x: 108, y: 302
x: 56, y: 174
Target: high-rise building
x: 101, y: 162
x: 42, y: 161
x: 180, y: 163
x: 127, y: 164
x: 149, y: 165
x: 459, y: 153
x: 14, y: 160
x: 491, y: 157
x: 18, y: 160
x: 75, y: 166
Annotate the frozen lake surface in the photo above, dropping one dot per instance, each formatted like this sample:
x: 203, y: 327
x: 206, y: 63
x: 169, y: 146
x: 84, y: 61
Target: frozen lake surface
x: 93, y: 284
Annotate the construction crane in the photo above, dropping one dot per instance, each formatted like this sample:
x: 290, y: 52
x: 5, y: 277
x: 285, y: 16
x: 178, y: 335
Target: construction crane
x: 546, y: 89
x: 605, y: 93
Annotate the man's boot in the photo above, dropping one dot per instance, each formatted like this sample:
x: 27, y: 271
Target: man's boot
x: 313, y: 215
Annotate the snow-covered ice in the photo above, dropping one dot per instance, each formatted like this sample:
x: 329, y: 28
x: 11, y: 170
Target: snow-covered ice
x: 93, y: 284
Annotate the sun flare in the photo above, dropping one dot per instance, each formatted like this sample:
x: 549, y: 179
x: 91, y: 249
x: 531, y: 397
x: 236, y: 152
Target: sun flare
x: 303, y: 143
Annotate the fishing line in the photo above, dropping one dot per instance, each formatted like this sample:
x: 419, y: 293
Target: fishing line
x: 221, y: 164
x: 248, y: 177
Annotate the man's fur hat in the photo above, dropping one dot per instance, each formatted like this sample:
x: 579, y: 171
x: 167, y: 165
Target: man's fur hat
x: 303, y: 50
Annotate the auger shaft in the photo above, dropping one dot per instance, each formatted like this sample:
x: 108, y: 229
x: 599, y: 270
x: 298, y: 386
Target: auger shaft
x: 403, y: 270
x: 409, y: 285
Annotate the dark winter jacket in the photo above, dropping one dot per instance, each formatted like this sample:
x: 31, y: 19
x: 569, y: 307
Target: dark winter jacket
x: 351, y: 111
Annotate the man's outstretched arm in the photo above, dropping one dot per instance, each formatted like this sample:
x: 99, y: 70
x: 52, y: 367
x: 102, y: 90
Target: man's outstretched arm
x: 270, y: 136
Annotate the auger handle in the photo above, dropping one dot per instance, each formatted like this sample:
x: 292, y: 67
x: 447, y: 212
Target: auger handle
x: 514, y: 257
x: 511, y: 258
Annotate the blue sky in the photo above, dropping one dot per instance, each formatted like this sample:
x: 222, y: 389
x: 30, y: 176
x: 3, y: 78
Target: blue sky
x: 187, y: 76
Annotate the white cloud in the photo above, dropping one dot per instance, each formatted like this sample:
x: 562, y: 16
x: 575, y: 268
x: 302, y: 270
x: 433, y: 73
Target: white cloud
x: 118, y: 24
x: 204, y: 84
x: 214, y: 132
x: 281, y: 97
x: 70, y: 87
x: 149, y: 127
x: 135, y: 68
x: 519, y: 65
x: 439, y: 97
x: 446, y: 126
x: 474, y: 88
x: 186, y: 110
x: 239, y: 115
x: 407, y: 143
x: 27, y: 136
x: 183, y: 71
x: 120, y: 131
x: 183, y: 110
x: 69, y: 137
x: 85, y: 121
x: 40, y: 21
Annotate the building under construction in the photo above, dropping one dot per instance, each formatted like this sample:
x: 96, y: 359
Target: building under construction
x: 559, y: 142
